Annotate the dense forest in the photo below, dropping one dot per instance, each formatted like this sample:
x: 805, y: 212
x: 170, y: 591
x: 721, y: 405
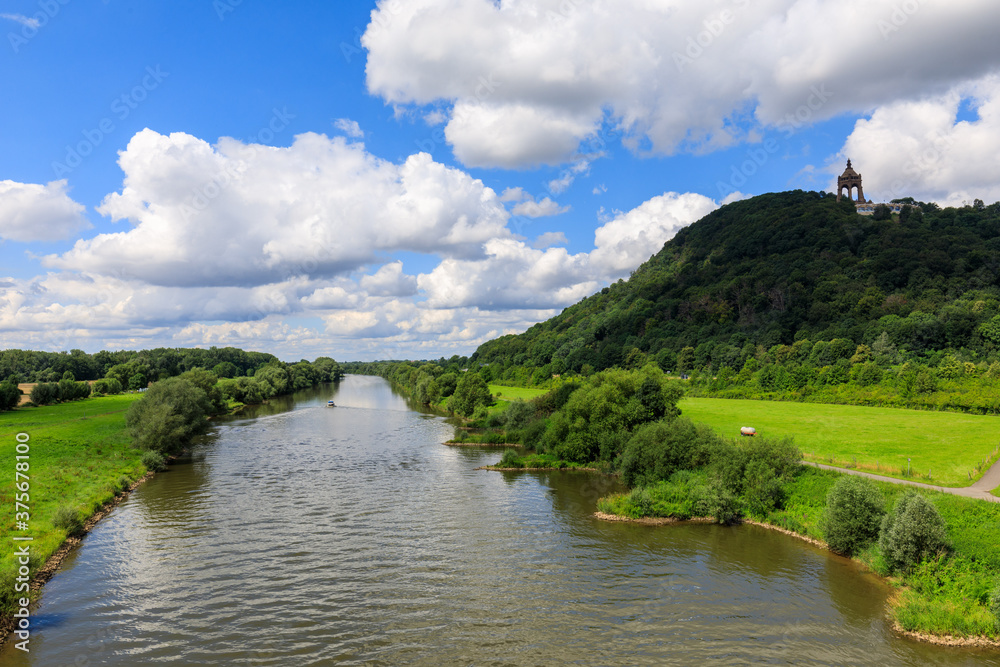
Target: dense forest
x: 779, y: 268
x: 798, y: 284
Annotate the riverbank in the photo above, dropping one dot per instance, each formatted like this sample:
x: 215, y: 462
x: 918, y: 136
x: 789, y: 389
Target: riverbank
x: 944, y: 601
x: 78, y: 461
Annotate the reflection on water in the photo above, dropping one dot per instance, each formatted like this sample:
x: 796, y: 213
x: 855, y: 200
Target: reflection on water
x: 350, y: 535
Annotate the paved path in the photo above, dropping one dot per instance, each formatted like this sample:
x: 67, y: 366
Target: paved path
x: 980, y: 489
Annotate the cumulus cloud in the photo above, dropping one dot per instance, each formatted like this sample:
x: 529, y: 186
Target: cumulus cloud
x: 349, y: 127
x: 549, y: 239
x: 921, y: 149
x: 538, y: 209
x: 33, y: 212
x: 236, y: 214
x: 529, y: 80
x: 631, y: 238
x: 390, y: 280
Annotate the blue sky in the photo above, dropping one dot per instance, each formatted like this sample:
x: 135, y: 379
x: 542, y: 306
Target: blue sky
x: 408, y: 179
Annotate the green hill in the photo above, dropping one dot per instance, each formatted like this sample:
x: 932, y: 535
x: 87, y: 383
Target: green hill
x: 784, y: 268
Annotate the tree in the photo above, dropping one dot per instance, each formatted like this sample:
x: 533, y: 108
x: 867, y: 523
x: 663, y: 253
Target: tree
x: 882, y: 212
x: 912, y: 533
x: 470, y: 393
x: 45, y: 393
x: 854, y: 511
x: 10, y: 396
x: 171, y: 413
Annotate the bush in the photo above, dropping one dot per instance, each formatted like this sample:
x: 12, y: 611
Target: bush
x: 168, y: 416
x: 658, y: 450
x: 518, y: 415
x: 154, y: 461
x: 470, y: 394
x: 69, y: 520
x: 854, y: 511
x: 912, y: 533
x: 510, y: 459
x: 45, y: 393
x: 762, y: 489
x: 123, y: 484
x: 107, y: 386
x: 10, y: 396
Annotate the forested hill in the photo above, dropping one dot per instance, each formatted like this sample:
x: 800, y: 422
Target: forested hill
x: 781, y: 268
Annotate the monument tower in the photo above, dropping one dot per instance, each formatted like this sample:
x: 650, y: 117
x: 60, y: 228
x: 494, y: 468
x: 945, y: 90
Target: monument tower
x: 850, y: 179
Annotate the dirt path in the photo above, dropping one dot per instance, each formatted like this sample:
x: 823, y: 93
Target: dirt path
x: 980, y: 489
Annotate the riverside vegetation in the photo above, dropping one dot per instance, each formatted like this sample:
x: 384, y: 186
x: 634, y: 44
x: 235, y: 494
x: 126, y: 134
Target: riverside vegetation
x: 87, y: 451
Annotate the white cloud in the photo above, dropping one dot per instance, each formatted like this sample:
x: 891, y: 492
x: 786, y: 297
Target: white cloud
x: 236, y: 214
x: 23, y: 20
x: 32, y: 212
x: 631, y: 238
x: 539, y: 209
x: 528, y: 80
x: 390, y: 280
x: 549, y: 239
x: 349, y: 127
x: 568, y: 175
x: 436, y: 117
x: 920, y: 149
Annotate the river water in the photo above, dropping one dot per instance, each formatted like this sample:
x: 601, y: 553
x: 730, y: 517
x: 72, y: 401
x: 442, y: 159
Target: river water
x: 351, y: 535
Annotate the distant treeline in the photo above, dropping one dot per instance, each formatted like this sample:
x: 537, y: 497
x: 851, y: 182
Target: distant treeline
x: 227, y: 375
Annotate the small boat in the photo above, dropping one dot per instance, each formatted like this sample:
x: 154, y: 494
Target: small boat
x: 331, y: 404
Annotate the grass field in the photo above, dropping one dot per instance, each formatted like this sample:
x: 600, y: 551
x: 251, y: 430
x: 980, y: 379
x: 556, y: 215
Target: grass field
x: 79, y: 453
x: 514, y: 393
x: 953, y: 448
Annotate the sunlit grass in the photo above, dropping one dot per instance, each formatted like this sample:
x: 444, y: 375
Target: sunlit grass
x: 954, y: 448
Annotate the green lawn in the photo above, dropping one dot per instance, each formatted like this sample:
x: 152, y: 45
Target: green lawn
x: 514, y: 393
x: 948, y: 445
x: 78, y: 453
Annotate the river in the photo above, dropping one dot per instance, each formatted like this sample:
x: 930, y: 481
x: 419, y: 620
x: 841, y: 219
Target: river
x: 308, y: 535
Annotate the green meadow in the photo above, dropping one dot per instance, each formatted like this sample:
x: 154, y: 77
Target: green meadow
x: 80, y: 458
x: 513, y: 393
x: 944, y: 448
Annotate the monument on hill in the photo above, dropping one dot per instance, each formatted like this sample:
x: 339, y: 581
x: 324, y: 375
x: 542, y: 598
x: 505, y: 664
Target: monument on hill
x: 850, y: 180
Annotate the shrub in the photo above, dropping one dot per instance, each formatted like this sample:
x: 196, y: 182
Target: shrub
x: 913, y: 532
x: 518, y: 415
x: 10, y: 396
x: 69, y: 520
x: 107, y: 386
x: 154, y: 461
x: 45, y: 393
x: 854, y: 511
x: 168, y: 416
x: 762, y: 489
x: 123, y: 484
x: 659, y: 449
x: 470, y: 394
x: 510, y: 459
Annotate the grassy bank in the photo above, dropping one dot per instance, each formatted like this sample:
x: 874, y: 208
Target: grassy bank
x: 953, y: 448
x: 946, y: 596
x: 80, y: 458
